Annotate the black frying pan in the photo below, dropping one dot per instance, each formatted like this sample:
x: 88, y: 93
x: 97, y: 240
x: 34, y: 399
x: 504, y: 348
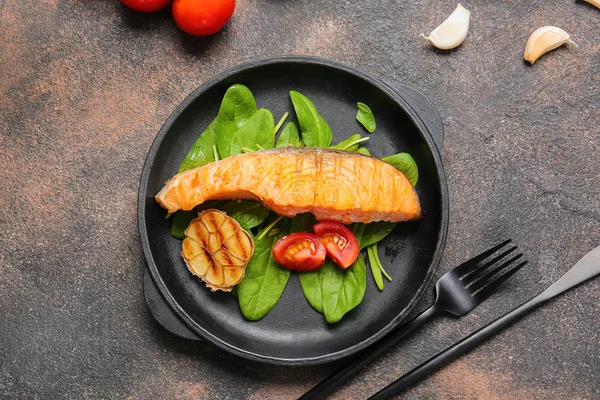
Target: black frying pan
x: 293, y: 333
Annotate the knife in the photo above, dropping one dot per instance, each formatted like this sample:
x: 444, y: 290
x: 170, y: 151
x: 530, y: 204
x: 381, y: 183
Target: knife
x: 586, y: 268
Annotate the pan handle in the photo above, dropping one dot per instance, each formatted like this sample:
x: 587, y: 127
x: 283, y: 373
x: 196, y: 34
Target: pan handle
x: 425, y: 110
x: 162, y: 313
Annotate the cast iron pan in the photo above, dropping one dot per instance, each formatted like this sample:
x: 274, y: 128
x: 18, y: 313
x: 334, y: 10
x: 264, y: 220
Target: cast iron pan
x: 293, y: 333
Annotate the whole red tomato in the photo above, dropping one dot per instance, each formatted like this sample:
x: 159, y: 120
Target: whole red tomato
x: 202, y: 17
x: 146, y: 5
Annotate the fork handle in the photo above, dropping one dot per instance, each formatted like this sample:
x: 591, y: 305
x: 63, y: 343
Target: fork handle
x: 458, y: 349
x: 340, y: 377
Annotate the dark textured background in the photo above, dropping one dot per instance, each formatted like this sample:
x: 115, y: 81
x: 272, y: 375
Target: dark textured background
x: 85, y: 85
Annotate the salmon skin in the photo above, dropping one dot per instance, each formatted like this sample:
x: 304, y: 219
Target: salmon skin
x: 330, y: 184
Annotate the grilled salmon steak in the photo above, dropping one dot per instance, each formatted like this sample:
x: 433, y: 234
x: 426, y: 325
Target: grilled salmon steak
x: 330, y: 184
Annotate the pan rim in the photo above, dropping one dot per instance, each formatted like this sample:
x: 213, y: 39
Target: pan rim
x: 195, y: 326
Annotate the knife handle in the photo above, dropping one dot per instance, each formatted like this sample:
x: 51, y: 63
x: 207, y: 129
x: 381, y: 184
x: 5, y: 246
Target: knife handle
x: 451, y: 353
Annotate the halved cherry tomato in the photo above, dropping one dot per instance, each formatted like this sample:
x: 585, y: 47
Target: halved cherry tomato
x: 300, y: 252
x: 146, y: 5
x: 340, y: 242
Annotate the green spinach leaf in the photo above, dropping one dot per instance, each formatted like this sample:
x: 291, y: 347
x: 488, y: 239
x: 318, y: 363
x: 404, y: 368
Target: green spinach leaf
x: 181, y: 220
x: 257, y: 132
x: 378, y: 262
x: 334, y: 291
x: 364, y: 151
x: 375, y: 232
x: 201, y: 152
x: 303, y: 223
x: 264, y: 281
x: 405, y: 164
x: 375, y: 270
x: 350, y: 144
x: 358, y: 230
x: 237, y: 107
x: 315, y: 131
x: 247, y: 213
x: 365, y: 117
x: 343, y: 289
x: 312, y: 286
x: 289, y: 136
x: 281, y: 122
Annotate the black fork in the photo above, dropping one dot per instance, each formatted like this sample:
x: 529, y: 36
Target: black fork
x: 458, y: 292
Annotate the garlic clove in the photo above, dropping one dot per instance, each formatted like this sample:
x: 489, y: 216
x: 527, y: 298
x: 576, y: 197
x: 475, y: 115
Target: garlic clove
x: 543, y: 40
x: 594, y: 2
x: 453, y: 31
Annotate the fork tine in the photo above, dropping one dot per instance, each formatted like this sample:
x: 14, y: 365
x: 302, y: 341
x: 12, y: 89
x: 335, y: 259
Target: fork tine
x: 476, y: 272
x: 468, y: 265
x: 481, y: 281
x: 490, y: 286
